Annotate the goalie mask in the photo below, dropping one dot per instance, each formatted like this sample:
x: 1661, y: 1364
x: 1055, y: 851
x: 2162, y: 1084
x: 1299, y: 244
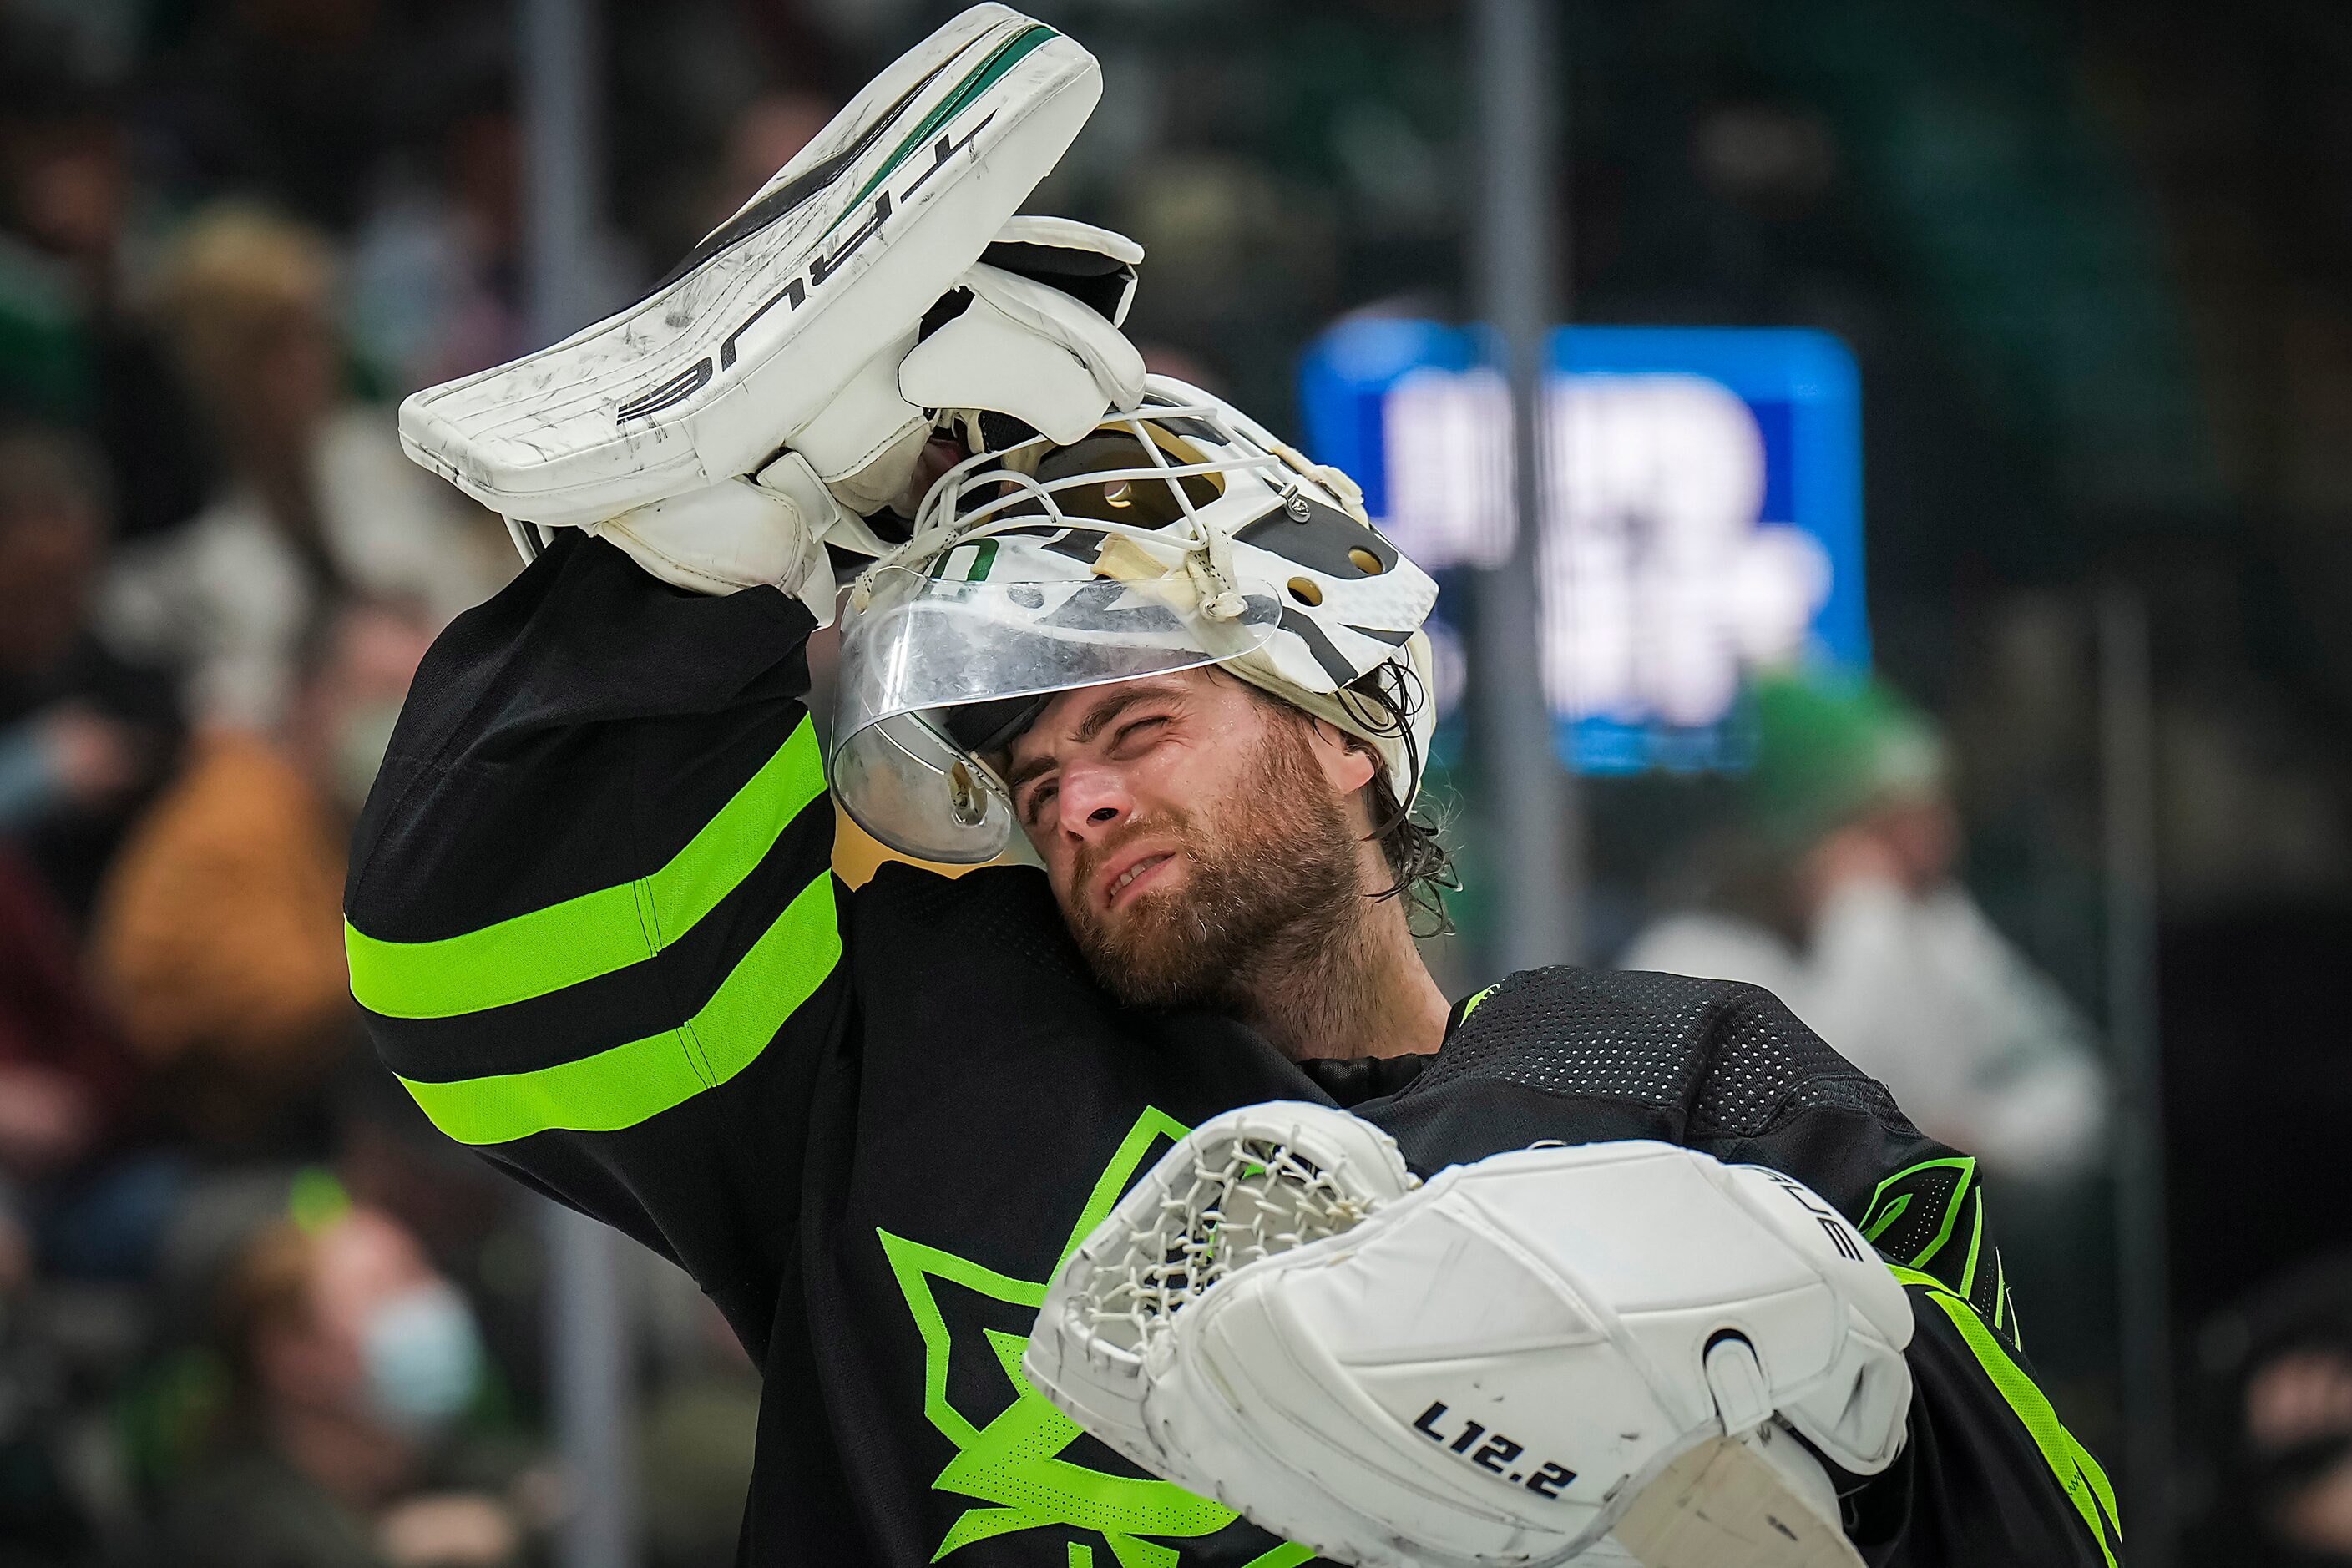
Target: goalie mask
x: 1177, y: 536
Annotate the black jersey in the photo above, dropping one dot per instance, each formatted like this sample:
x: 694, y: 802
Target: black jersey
x: 593, y: 921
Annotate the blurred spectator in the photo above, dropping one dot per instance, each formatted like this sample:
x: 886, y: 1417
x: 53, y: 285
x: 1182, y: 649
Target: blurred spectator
x: 2281, y: 1363
x: 65, y: 1081
x: 289, y: 99
x: 1839, y: 898
x: 436, y: 270
x: 63, y: 187
x: 694, y: 194
x: 351, y: 1362
x: 62, y: 1079
x: 699, y: 1424
x: 317, y: 499
x: 70, y: 345
x: 437, y: 264
x: 85, y: 735
x: 219, y: 941
x: 43, y: 1522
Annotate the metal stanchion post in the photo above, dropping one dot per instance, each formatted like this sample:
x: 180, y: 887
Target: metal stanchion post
x: 1531, y: 810
x: 589, y: 1340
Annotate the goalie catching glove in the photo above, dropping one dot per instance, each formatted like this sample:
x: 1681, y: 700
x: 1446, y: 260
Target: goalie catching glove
x: 1500, y: 1366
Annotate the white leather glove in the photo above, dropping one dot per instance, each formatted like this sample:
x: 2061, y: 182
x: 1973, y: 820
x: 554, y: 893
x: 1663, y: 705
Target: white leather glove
x: 1041, y: 344
x: 1029, y: 350
x: 1496, y: 1368
x: 1018, y: 347
x: 738, y: 534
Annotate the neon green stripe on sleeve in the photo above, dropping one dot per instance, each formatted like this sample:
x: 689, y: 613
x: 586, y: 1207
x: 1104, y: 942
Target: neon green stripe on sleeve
x: 2105, y: 1493
x: 622, y: 1087
x: 2085, y: 1484
x: 594, y: 933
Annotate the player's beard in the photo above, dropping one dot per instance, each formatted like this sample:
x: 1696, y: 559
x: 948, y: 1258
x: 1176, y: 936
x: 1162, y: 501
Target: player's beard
x: 1270, y: 883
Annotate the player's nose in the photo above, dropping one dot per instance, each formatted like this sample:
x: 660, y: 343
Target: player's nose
x: 1092, y: 800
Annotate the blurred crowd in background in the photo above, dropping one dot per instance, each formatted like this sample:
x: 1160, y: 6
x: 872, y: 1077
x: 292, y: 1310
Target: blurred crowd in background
x: 2095, y: 263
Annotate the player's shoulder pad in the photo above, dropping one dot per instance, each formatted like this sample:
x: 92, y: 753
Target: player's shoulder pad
x: 1722, y: 1056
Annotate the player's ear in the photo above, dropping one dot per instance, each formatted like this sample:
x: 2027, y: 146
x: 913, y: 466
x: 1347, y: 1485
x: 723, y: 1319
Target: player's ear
x: 1346, y: 760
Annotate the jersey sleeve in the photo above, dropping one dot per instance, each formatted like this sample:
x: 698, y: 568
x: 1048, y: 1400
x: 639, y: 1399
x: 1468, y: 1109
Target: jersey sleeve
x: 590, y: 916
x: 1988, y: 1474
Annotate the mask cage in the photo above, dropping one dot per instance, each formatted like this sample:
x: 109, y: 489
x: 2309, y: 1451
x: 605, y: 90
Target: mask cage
x: 1023, y: 487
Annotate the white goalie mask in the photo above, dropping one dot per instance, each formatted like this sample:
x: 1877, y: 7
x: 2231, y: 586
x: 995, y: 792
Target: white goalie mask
x: 1178, y: 535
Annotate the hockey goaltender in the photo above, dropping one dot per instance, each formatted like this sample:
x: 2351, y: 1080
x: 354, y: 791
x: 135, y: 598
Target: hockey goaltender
x: 1155, y: 1206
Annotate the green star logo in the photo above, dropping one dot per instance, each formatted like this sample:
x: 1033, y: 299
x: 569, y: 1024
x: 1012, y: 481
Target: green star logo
x: 1011, y: 1465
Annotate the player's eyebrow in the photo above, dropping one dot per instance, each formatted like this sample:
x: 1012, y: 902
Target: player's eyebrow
x: 1097, y: 720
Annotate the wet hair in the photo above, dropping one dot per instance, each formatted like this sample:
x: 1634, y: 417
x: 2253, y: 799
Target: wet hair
x: 1421, y: 868
x: 1388, y: 699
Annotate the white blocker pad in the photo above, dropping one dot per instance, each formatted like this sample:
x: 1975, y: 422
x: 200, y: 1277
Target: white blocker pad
x: 735, y: 534
x: 753, y: 334
x: 1041, y: 345
x: 1496, y: 1368
x: 1025, y: 349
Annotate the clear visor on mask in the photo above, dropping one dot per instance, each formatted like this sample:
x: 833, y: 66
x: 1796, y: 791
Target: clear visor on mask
x: 923, y: 647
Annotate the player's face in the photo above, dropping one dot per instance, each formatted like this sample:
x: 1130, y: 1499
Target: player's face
x: 1188, y: 823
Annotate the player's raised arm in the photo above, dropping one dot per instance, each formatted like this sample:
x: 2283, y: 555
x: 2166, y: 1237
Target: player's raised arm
x: 590, y: 916
x: 590, y: 913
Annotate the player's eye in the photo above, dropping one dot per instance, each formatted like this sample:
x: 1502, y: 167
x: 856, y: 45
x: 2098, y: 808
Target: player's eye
x: 1039, y: 798
x: 1140, y: 729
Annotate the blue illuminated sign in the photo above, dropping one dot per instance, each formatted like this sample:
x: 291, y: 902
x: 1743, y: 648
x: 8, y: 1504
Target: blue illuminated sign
x: 1702, y: 509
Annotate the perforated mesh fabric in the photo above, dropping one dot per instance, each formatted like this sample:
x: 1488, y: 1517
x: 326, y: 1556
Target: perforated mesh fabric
x: 1731, y: 1058
x: 1913, y: 1215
